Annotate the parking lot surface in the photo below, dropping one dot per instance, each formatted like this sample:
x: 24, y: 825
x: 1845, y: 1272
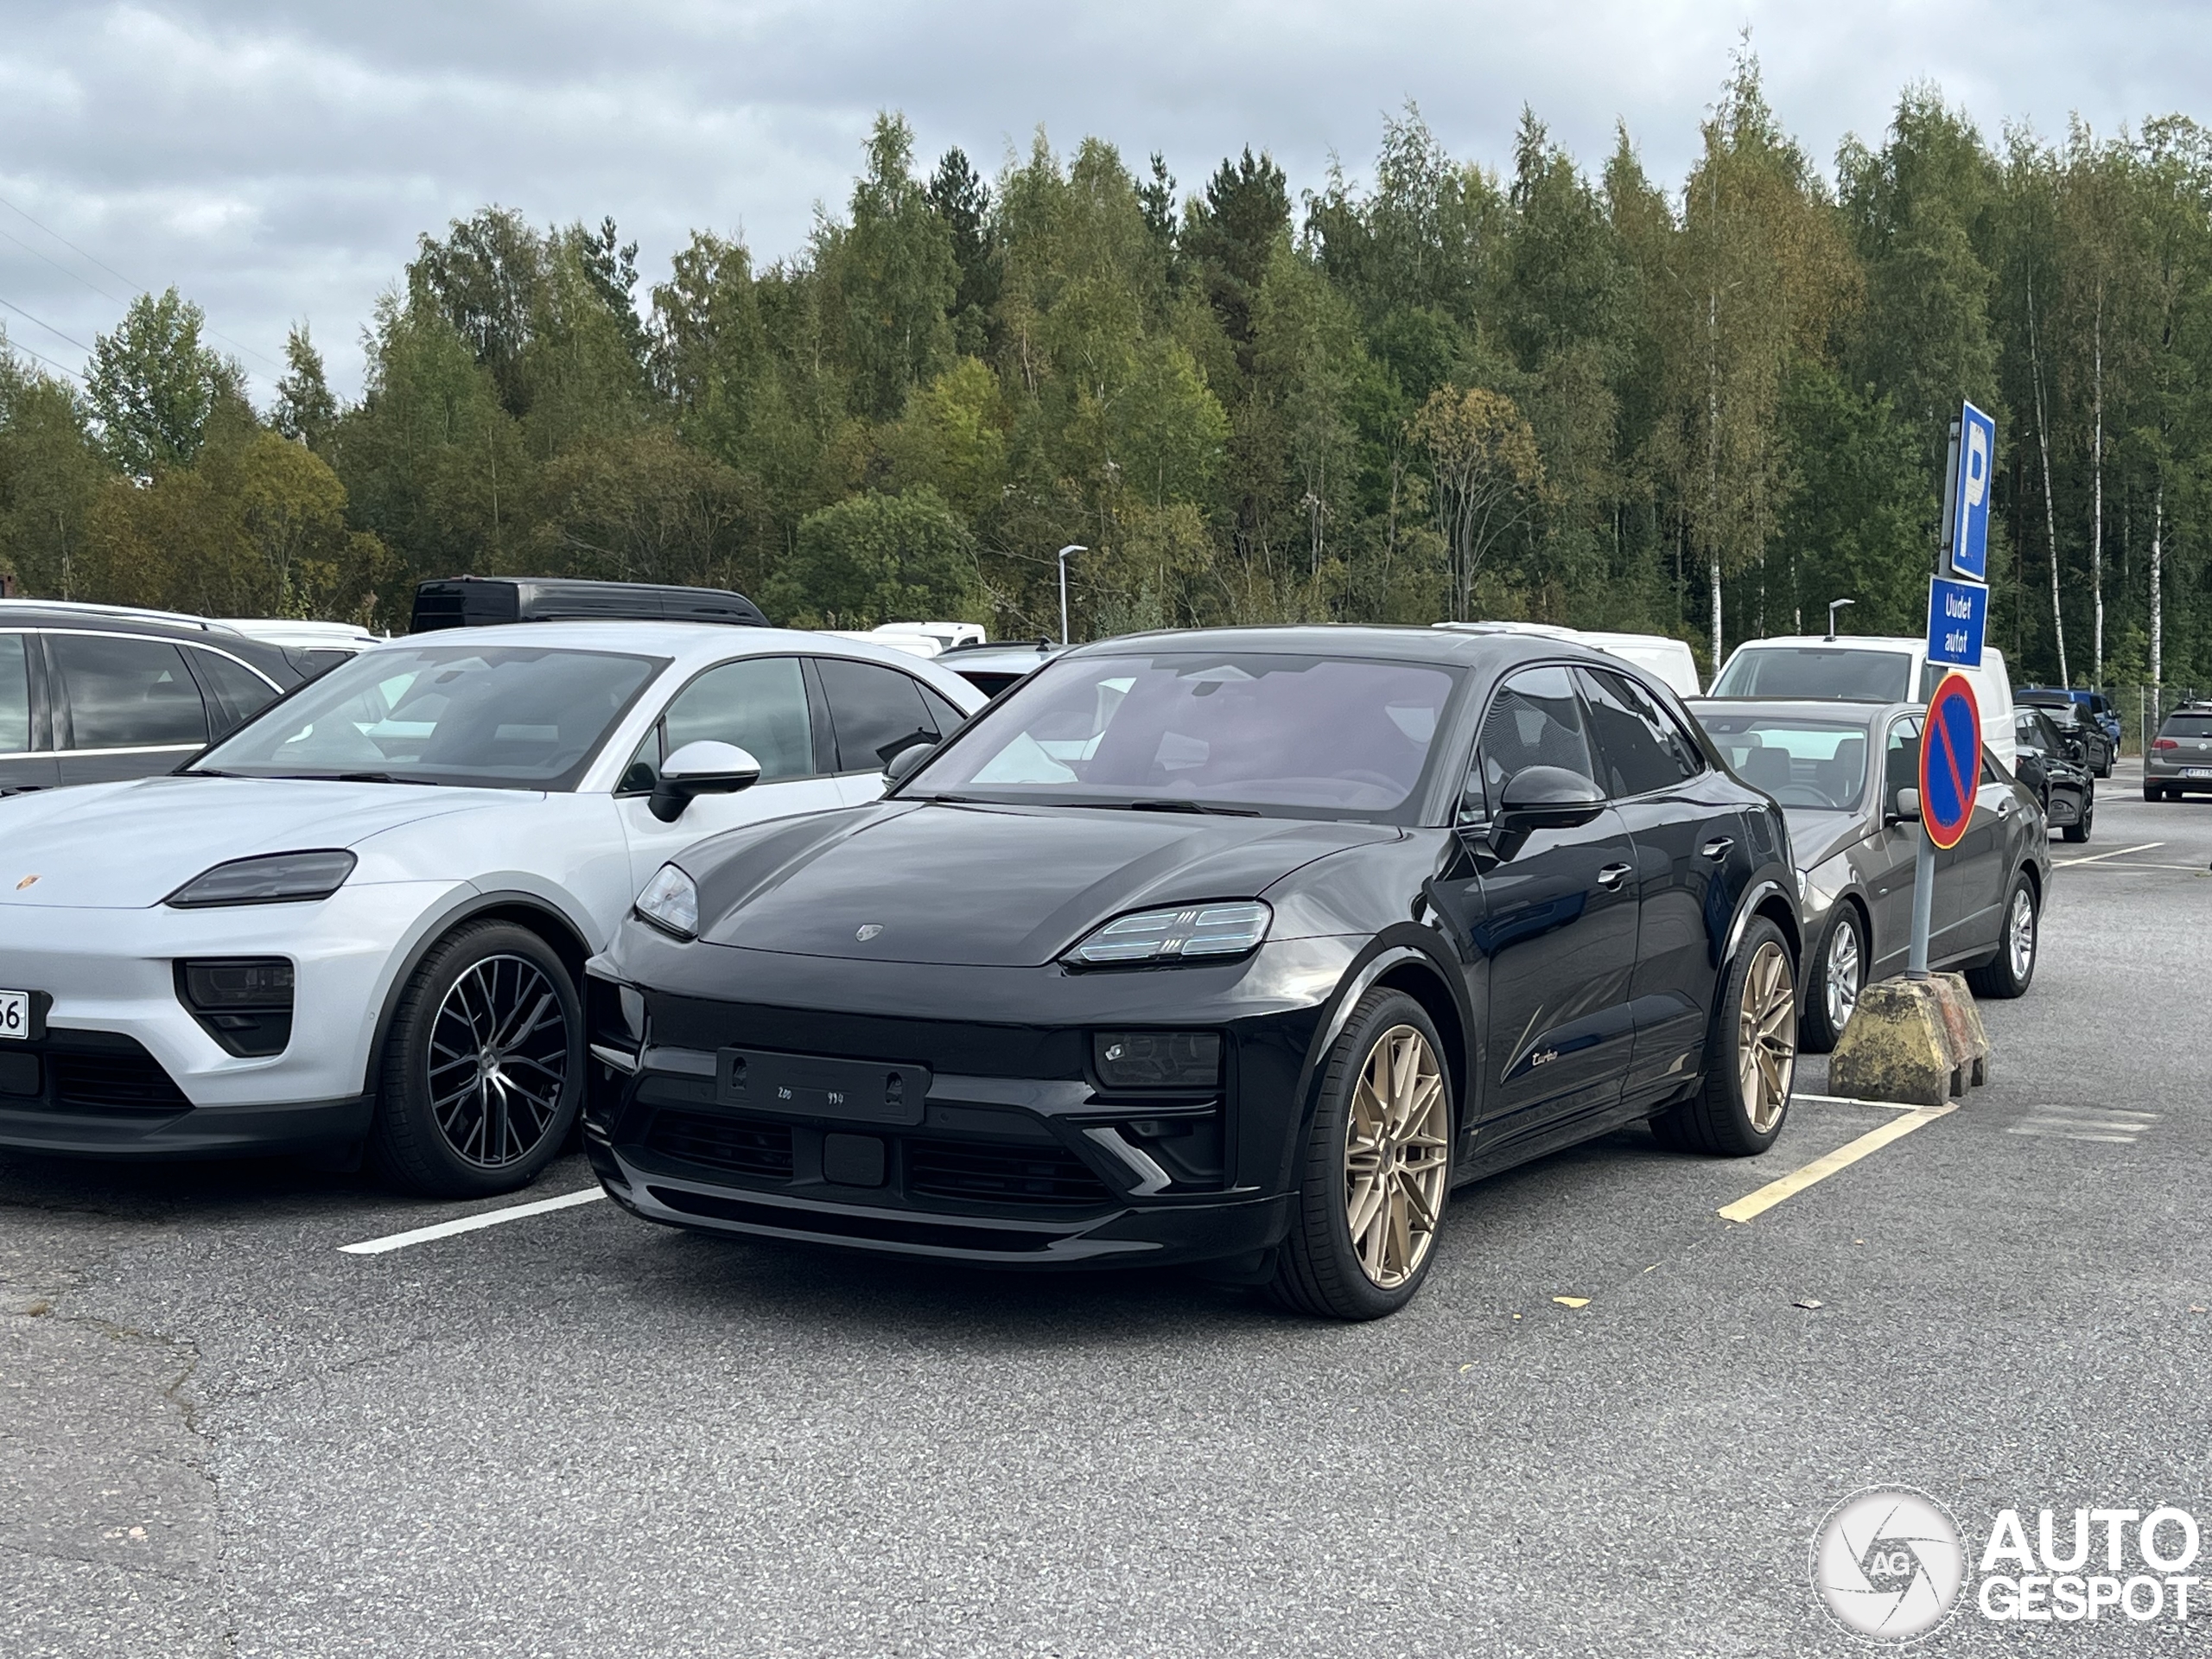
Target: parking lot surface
x: 570, y: 1432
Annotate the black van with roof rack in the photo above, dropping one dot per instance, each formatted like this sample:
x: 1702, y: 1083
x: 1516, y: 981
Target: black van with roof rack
x: 478, y: 601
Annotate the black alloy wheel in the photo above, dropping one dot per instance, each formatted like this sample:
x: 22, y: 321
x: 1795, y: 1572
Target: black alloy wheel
x: 1377, y: 1170
x: 1751, y: 1059
x: 483, y: 1065
x: 2012, y: 969
x: 1838, y: 975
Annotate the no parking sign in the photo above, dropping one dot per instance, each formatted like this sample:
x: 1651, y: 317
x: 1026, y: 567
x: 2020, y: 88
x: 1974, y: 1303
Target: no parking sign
x: 1950, y: 761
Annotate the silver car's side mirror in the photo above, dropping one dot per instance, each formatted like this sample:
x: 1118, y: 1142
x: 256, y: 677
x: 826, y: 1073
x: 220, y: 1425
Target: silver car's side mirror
x: 1908, y: 807
x: 904, y: 763
x: 703, y: 768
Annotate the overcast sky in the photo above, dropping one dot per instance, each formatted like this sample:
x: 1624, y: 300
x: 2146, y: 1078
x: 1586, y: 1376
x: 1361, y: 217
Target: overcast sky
x: 276, y: 162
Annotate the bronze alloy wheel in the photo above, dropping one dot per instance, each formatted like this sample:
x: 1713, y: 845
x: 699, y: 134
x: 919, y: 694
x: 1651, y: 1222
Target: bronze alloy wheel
x: 1396, y: 1156
x: 1766, y: 1046
x: 497, y: 1059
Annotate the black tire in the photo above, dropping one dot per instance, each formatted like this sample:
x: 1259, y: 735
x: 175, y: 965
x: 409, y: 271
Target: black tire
x: 1819, y: 1029
x: 2153, y: 792
x: 1721, y: 1118
x: 1318, y: 1268
x: 471, y: 1130
x: 2007, y: 974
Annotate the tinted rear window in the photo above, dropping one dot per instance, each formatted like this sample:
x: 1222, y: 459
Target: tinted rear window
x: 1825, y: 673
x: 2187, y: 726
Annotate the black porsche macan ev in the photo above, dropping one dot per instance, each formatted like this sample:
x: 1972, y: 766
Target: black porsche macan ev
x: 1242, y: 947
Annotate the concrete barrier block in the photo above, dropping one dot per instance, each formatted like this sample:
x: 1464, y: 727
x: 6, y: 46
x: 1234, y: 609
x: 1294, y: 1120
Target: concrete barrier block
x: 1899, y: 1046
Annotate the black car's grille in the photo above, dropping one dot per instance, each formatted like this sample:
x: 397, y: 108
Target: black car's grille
x: 741, y: 1146
x: 978, y: 1173
x: 121, y: 1080
x: 844, y: 1224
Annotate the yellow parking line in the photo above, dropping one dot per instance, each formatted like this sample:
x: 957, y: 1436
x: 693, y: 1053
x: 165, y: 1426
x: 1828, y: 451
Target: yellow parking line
x: 2098, y: 858
x: 1820, y: 1169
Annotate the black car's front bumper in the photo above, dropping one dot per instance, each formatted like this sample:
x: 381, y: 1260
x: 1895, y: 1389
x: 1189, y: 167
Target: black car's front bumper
x: 1019, y: 1157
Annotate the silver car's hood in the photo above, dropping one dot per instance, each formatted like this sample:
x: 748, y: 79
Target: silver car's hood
x: 129, y: 845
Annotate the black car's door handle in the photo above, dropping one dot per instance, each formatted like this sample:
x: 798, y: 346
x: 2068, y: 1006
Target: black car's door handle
x: 1717, y: 848
x: 1613, y: 875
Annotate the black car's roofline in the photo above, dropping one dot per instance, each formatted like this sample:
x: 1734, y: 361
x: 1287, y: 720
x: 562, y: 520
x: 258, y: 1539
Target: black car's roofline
x: 1445, y: 647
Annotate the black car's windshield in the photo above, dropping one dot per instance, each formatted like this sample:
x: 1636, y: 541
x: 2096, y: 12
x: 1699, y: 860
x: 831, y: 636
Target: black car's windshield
x: 1819, y: 764
x: 513, y: 718
x: 1825, y: 673
x: 1304, y: 735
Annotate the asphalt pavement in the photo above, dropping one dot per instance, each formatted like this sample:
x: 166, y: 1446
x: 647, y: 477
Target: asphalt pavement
x: 575, y: 1433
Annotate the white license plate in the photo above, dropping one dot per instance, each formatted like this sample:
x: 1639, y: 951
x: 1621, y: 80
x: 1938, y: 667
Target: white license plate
x: 2197, y: 772
x: 15, y: 1014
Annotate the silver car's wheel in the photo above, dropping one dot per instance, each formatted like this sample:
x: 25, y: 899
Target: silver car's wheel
x: 1842, y: 979
x: 498, y: 1061
x: 2009, y: 973
x: 2020, y: 933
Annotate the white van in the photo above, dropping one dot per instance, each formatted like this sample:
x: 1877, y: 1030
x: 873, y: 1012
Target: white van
x: 920, y: 638
x: 1858, y: 668
x: 1665, y: 660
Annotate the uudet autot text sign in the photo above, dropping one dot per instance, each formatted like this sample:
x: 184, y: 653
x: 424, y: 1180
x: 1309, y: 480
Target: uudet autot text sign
x: 1967, y: 534
x: 1958, y: 616
x: 1950, y: 761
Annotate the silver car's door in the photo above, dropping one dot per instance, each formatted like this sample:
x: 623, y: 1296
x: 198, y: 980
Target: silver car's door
x: 1888, y: 854
x: 760, y: 703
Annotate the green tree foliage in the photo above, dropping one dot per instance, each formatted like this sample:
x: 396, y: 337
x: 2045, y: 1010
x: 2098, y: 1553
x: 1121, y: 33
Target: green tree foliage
x: 1425, y: 388
x: 876, y: 558
x: 153, y: 386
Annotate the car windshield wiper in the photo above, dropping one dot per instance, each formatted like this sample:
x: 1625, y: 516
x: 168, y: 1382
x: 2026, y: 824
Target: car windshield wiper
x: 348, y: 778
x: 1182, y: 806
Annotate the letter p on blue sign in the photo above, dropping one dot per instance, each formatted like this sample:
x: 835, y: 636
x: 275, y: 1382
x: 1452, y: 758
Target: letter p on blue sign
x: 1968, y: 537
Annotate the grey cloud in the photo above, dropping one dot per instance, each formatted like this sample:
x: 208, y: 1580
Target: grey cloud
x: 277, y: 161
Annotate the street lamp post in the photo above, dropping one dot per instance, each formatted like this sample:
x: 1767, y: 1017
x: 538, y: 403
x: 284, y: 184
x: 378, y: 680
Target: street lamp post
x: 1071, y: 548
x: 1836, y: 604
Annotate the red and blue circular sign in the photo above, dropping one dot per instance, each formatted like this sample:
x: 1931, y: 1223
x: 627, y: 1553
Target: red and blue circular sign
x: 1950, y: 761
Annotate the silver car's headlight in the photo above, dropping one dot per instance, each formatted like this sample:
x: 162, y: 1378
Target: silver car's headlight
x: 670, y: 903
x: 271, y: 879
x: 1186, y: 933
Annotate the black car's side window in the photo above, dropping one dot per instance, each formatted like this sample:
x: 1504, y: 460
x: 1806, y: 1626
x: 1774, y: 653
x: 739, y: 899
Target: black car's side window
x: 237, y: 691
x: 758, y: 704
x: 875, y: 711
x: 1638, y: 746
x: 127, y: 692
x: 15, y: 694
x: 1534, y: 719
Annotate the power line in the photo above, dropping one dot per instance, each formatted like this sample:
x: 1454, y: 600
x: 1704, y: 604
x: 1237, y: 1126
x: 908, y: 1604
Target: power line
x: 7, y: 344
x: 136, y: 288
x: 49, y: 327
x: 73, y: 274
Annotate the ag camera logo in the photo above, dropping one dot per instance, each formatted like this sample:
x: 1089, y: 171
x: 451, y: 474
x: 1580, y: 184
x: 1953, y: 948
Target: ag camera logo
x: 1888, y: 1564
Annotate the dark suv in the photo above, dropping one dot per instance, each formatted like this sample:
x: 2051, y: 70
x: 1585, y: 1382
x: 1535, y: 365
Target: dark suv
x: 2078, y: 723
x: 88, y: 694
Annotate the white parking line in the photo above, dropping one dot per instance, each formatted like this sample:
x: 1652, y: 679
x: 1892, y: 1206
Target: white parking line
x: 1849, y: 1100
x: 2099, y: 858
x: 471, y: 1223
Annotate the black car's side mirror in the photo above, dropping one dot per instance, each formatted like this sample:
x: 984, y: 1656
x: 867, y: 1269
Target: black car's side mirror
x: 1547, y: 797
x: 703, y: 768
x: 903, y: 764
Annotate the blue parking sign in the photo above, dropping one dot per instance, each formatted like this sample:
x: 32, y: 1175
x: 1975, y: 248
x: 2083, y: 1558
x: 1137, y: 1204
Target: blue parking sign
x: 1967, y: 535
x: 1958, y: 615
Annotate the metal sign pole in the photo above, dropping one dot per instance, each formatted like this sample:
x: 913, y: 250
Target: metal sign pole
x: 1924, y: 902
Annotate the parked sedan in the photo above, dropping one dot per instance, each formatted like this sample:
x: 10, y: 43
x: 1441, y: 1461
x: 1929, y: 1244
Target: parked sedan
x: 361, y: 917
x: 1242, y: 947
x: 2051, y: 765
x: 1854, y: 834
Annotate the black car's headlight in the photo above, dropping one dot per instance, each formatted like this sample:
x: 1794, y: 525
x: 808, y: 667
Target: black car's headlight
x: 670, y: 903
x: 1185, y: 933
x: 270, y: 879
